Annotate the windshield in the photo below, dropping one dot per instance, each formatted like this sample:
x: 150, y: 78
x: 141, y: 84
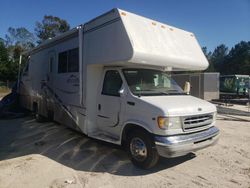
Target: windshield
x: 148, y: 82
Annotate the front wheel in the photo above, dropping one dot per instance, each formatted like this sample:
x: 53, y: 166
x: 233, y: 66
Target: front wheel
x: 141, y: 149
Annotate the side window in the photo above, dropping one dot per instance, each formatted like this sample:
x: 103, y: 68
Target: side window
x: 62, y: 62
x: 112, y: 83
x: 73, y: 60
x: 68, y: 61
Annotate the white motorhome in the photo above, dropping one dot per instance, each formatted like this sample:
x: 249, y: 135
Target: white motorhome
x: 111, y: 79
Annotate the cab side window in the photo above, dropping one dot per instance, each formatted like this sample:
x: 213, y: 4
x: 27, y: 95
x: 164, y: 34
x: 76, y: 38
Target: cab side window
x: 112, y: 83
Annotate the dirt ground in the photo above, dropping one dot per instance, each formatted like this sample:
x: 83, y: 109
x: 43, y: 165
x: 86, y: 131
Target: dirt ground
x: 50, y: 155
x: 3, y: 93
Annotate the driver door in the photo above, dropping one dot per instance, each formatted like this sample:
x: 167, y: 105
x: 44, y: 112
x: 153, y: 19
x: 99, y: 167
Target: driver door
x: 109, y: 104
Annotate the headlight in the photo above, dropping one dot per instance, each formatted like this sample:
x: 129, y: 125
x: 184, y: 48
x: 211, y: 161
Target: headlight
x: 169, y: 122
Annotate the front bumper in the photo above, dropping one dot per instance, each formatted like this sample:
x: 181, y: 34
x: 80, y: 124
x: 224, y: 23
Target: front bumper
x: 174, y: 146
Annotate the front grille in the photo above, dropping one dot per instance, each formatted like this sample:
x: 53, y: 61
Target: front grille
x: 197, y: 122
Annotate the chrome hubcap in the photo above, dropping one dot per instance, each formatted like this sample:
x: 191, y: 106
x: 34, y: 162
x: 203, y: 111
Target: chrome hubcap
x: 138, y: 149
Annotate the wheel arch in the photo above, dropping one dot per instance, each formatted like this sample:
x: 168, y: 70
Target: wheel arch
x: 129, y: 126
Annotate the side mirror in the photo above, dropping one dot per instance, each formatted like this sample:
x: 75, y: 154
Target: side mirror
x: 187, y: 87
x: 122, y: 92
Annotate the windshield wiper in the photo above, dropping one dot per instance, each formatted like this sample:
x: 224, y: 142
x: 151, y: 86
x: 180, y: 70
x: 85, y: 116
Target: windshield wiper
x: 173, y: 93
x: 145, y: 92
x: 172, y: 90
x: 150, y: 92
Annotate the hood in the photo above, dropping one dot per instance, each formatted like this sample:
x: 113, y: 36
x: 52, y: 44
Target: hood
x: 180, y: 105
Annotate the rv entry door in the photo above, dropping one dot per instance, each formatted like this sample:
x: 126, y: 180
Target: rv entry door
x: 50, y: 80
x: 109, y: 103
x: 51, y: 64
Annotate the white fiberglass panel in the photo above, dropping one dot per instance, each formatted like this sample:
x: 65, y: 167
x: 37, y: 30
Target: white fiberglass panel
x: 155, y: 43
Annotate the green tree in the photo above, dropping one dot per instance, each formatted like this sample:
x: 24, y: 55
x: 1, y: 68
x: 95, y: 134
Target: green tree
x: 3, y: 52
x: 17, y: 40
x: 2, y: 40
x: 20, y: 37
x: 50, y: 27
x: 218, y: 57
x: 8, y: 68
x: 238, y: 59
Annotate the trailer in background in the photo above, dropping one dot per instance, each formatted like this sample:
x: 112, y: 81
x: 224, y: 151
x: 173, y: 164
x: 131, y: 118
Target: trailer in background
x: 203, y: 85
x: 234, y: 86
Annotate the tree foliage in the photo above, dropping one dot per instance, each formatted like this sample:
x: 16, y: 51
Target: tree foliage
x: 8, y: 68
x: 234, y: 61
x: 3, y: 52
x: 20, y: 37
x: 218, y: 57
x: 19, y: 40
x: 50, y: 27
x: 238, y: 59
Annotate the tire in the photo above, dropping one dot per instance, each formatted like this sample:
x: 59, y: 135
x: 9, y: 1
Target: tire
x: 147, y: 156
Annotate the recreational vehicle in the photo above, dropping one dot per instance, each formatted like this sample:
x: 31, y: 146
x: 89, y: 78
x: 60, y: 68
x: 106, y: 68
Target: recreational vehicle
x: 110, y: 79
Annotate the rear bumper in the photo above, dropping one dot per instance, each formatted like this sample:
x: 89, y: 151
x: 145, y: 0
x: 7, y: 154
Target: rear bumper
x: 174, y: 146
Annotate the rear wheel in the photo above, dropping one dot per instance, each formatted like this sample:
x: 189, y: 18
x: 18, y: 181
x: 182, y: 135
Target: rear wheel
x: 141, y: 149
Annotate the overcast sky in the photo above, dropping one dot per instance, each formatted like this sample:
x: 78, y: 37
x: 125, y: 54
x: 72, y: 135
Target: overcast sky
x: 213, y: 21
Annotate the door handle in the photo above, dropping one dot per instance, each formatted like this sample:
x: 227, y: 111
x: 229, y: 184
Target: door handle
x: 99, y: 106
x: 130, y: 103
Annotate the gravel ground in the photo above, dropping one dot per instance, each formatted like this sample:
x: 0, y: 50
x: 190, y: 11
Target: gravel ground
x: 49, y: 155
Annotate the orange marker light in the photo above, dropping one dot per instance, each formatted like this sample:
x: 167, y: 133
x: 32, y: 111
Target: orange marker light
x: 123, y: 13
x: 162, y: 122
